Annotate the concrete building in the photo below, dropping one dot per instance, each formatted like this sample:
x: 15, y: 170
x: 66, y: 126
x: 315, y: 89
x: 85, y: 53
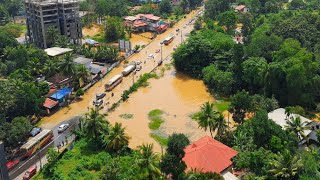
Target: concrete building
x: 62, y: 15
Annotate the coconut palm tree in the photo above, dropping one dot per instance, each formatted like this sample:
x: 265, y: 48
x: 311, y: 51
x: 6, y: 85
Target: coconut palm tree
x: 67, y: 66
x: 149, y: 160
x: 296, y: 126
x: 82, y: 72
x: 220, y: 124
x: 50, y: 68
x: 128, y: 30
x: 116, y: 139
x: 207, y: 118
x: 51, y: 35
x: 285, y: 166
x: 34, y: 66
x: 95, y: 124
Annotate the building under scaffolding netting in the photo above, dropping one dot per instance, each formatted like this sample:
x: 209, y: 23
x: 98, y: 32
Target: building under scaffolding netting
x: 44, y: 17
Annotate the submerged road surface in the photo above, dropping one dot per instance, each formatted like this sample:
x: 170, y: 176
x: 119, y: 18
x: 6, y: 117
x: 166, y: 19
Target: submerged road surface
x: 81, y: 107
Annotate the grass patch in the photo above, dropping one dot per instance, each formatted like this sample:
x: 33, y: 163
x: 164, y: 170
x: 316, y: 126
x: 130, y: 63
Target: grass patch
x: 14, y: 29
x: 126, y: 116
x: 155, y: 112
x: 99, y: 37
x: 141, y: 82
x: 163, y: 141
x: 222, y: 106
x: 155, y: 119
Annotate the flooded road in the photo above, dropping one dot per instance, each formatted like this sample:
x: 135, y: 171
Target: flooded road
x: 177, y: 95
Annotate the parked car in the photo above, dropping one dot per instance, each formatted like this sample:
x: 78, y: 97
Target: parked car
x: 138, y: 68
x: 100, y: 95
x: 98, y: 102
x: 12, y: 164
x: 158, y: 50
x: 30, y: 172
x: 35, y: 131
x: 62, y: 127
x: 177, y: 30
x: 138, y: 62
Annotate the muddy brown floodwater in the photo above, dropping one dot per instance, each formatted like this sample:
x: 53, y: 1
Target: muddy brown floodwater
x: 177, y: 95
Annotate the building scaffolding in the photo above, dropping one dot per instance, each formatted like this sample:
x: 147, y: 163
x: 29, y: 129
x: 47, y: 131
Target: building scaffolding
x: 61, y: 15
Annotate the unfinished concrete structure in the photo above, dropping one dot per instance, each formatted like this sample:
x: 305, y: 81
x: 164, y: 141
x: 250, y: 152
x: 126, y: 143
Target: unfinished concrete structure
x: 62, y: 15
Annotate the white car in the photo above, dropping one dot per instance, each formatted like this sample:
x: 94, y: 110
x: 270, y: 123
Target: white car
x: 139, y: 62
x: 139, y: 68
x: 151, y: 56
x: 62, y: 127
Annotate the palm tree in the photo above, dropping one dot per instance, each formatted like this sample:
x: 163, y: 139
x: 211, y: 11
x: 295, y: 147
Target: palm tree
x: 50, y: 68
x: 285, y: 166
x: 34, y: 66
x: 116, y: 139
x: 207, y: 118
x: 149, y: 160
x: 51, y: 34
x: 128, y: 30
x: 95, y: 124
x: 296, y: 126
x: 61, y: 41
x: 67, y: 66
x: 82, y: 72
x: 220, y: 124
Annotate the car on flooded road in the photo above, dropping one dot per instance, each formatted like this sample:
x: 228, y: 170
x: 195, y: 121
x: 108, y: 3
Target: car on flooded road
x: 151, y: 56
x: 100, y: 95
x: 62, y: 127
x: 138, y: 68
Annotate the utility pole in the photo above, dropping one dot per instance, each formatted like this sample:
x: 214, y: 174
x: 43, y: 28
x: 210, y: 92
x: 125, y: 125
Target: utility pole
x: 161, y: 43
x: 181, y: 36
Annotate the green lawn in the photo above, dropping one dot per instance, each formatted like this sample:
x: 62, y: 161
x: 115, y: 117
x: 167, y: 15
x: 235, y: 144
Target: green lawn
x: 163, y: 141
x: 222, y: 106
x: 126, y: 116
x: 155, y: 119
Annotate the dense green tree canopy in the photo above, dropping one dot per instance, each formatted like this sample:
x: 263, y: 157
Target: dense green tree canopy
x: 202, y: 49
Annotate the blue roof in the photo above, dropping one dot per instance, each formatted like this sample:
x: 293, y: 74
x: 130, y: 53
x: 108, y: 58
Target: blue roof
x: 91, y: 41
x: 61, y: 93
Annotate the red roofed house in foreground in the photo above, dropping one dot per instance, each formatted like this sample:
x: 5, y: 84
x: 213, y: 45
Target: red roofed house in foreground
x: 210, y: 155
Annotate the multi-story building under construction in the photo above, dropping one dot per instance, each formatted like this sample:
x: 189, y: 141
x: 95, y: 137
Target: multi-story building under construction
x: 62, y: 15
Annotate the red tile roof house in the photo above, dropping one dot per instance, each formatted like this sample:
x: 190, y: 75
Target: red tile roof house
x: 210, y: 155
x: 144, y: 22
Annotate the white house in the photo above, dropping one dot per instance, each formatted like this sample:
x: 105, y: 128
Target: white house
x: 279, y: 116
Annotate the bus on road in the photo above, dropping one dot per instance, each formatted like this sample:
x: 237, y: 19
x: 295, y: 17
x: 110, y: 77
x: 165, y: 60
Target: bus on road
x: 169, y: 39
x: 37, y: 142
x: 128, y: 70
x: 113, y: 82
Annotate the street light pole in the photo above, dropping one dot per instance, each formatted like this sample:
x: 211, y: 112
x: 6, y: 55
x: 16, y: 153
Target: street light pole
x: 39, y: 156
x: 181, y: 36
x: 161, y: 43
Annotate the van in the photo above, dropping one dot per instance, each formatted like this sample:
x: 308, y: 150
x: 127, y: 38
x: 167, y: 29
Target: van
x: 30, y: 172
